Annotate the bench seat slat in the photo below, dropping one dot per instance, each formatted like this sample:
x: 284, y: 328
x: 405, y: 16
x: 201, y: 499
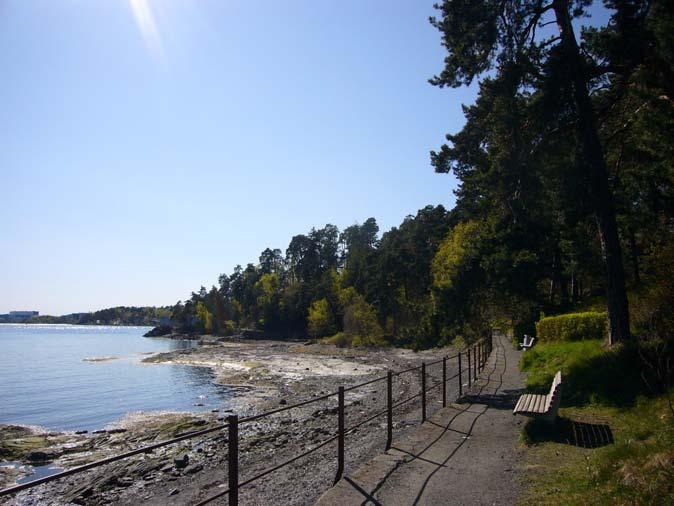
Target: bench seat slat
x: 527, y: 403
x: 530, y: 404
x: 537, y: 402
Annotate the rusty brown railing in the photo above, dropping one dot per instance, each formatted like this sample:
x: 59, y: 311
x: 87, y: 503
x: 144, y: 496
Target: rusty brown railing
x: 476, y: 356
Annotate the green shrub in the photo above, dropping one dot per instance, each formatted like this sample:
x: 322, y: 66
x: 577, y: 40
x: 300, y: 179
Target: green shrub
x: 340, y: 339
x: 572, y: 327
x: 321, y: 321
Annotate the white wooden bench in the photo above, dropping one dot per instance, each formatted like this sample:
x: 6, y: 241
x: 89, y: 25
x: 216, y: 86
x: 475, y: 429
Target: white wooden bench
x: 543, y: 406
x: 527, y: 342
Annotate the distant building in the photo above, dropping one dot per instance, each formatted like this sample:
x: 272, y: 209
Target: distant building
x: 23, y: 314
x: 18, y: 316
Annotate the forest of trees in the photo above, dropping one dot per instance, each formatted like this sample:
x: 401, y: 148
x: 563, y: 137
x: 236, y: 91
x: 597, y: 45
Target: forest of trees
x: 565, y: 167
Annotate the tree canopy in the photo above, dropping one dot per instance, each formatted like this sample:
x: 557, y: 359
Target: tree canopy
x: 565, y: 167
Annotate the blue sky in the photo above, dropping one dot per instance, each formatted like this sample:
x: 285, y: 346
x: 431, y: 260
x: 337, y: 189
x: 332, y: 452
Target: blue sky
x: 149, y: 145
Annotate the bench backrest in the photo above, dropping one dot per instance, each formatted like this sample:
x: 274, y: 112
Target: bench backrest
x: 555, y: 395
x: 527, y: 341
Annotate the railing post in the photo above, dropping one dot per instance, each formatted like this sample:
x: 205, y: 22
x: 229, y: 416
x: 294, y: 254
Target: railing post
x: 389, y: 410
x: 444, y: 382
x: 460, y: 378
x: 423, y: 392
x: 340, y: 434
x: 479, y: 355
x: 233, y: 443
x: 474, y: 363
x: 470, y: 370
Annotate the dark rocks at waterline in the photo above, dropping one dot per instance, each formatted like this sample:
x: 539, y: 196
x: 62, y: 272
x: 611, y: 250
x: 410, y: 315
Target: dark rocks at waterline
x: 41, y: 456
x: 162, y: 330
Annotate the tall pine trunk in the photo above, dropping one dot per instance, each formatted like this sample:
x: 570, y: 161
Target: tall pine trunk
x: 592, y: 159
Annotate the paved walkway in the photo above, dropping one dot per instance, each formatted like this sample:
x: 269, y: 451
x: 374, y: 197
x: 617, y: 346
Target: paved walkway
x: 467, y: 453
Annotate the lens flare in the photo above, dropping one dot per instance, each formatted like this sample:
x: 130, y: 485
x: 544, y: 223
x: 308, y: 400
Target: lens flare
x: 145, y: 19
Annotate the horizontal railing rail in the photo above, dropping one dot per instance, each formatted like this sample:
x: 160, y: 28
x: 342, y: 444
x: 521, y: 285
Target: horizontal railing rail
x: 476, y: 355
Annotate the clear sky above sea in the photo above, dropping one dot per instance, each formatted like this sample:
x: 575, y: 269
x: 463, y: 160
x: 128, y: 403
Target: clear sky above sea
x: 149, y: 145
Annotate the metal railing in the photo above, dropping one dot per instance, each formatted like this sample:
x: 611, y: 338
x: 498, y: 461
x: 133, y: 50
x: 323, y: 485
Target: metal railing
x: 476, y: 356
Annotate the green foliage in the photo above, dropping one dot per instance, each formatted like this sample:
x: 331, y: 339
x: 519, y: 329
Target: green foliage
x: 653, y: 302
x: 228, y: 328
x: 268, y: 288
x: 205, y: 318
x: 572, y: 327
x: 340, y: 339
x: 321, y: 320
x: 360, y: 322
x: 455, y: 251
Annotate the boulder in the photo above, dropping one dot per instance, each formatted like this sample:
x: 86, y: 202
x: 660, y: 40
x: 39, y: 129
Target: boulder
x: 125, y: 481
x: 44, y: 455
x: 194, y: 468
x: 162, y: 330
x: 181, y: 460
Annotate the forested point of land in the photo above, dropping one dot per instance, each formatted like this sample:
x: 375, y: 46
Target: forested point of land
x: 120, y: 315
x: 565, y: 171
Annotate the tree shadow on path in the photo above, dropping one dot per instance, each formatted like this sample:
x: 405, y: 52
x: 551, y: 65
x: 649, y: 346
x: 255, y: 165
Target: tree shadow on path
x: 474, y: 404
x: 506, y: 399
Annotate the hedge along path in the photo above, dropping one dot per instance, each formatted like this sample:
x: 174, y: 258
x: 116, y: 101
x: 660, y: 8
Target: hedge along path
x: 573, y: 327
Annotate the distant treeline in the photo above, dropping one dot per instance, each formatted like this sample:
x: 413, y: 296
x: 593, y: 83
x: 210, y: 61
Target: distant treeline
x: 121, y: 315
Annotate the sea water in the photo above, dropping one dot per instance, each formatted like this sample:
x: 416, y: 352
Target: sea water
x: 76, y: 377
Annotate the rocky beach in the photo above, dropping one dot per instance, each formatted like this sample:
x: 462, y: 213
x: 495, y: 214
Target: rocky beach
x: 264, y: 375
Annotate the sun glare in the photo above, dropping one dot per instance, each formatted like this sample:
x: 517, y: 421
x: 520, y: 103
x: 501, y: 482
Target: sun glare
x: 144, y: 16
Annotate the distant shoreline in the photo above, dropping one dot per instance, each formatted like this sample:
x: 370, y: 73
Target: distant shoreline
x: 37, y: 324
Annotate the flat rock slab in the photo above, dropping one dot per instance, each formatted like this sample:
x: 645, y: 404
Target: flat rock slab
x: 467, y: 453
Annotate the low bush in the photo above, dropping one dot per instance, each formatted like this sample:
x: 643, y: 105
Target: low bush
x: 340, y: 339
x: 572, y: 327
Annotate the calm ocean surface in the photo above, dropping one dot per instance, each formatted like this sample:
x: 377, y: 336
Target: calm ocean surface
x: 45, y: 381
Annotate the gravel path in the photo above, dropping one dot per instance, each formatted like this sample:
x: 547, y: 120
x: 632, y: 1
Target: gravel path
x: 467, y: 453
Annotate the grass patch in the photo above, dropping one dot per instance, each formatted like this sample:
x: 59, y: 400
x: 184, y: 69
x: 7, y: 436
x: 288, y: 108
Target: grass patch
x: 347, y: 340
x: 592, y: 374
x: 637, y: 468
x: 612, y: 443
